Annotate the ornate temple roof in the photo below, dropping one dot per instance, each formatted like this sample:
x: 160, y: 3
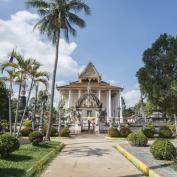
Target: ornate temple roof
x: 89, y: 75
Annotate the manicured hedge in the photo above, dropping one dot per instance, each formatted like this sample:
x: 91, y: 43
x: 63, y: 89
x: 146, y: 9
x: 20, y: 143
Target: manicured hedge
x: 65, y: 132
x: 26, y: 131
x: 165, y: 132
x: 35, y: 137
x: 125, y: 131
x: 148, y: 132
x: 163, y: 149
x: 8, y: 144
x: 113, y: 132
x: 137, y: 139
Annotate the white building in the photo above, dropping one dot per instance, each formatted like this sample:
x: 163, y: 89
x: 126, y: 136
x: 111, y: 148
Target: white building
x: 92, y: 104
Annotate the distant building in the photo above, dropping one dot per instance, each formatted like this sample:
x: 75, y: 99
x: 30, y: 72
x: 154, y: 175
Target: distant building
x: 98, y: 104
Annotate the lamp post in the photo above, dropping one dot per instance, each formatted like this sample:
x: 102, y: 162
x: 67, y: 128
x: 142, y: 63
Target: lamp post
x: 41, y: 123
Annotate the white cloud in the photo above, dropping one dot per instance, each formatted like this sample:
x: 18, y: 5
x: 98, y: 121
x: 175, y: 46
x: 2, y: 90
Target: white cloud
x: 17, y: 32
x: 132, y: 97
x: 61, y: 83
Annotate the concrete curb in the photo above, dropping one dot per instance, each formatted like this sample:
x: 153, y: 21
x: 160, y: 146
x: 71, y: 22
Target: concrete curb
x: 40, y: 165
x: 111, y: 138
x: 138, y: 163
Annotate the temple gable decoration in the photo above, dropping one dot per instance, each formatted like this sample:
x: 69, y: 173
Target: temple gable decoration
x: 89, y: 100
x: 90, y: 73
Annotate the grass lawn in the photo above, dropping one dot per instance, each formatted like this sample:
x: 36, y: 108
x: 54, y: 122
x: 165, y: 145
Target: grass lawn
x: 21, y: 161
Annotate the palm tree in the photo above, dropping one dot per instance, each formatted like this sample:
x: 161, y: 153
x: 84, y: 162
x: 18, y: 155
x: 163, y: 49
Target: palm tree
x: 36, y: 76
x: 44, y: 80
x: 58, y: 16
x: 21, y: 66
x: 10, y: 78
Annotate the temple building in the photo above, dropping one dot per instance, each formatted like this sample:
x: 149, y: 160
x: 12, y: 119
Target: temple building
x: 91, y: 104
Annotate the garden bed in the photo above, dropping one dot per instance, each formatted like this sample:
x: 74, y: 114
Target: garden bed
x: 143, y: 160
x: 29, y: 160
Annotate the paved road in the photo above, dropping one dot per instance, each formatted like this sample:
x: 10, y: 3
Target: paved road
x: 90, y: 157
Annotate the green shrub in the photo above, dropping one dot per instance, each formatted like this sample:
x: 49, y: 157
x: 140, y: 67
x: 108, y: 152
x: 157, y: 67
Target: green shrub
x: 125, y: 131
x: 165, y: 132
x: 54, y: 132
x: 4, y: 125
x: 113, y: 132
x: 64, y: 132
x: 151, y: 126
x: 8, y: 144
x: 26, y: 131
x: 137, y: 139
x: 35, y: 137
x: 148, y: 132
x: 163, y: 149
x: 27, y: 123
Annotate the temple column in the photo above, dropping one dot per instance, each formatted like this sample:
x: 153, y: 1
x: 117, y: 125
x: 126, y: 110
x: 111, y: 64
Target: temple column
x: 59, y: 96
x: 79, y: 94
x: 120, y: 105
x: 69, y: 98
x: 99, y: 95
x: 109, y: 106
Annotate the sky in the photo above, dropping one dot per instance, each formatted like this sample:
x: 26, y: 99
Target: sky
x: 117, y: 33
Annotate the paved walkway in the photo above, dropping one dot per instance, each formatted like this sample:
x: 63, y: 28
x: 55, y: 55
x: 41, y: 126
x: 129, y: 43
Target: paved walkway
x: 90, y: 157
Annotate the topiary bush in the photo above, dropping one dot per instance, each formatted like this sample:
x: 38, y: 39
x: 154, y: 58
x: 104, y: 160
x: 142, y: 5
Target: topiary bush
x: 8, y: 144
x: 27, y: 123
x: 64, y: 132
x: 26, y: 131
x: 163, y: 149
x: 137, y: 139
x: 148, y: 132
x: 165, y: 132
x: 35, y: 137
x: 54, y: 132
x: 113, y: 132
x: 125, y: 131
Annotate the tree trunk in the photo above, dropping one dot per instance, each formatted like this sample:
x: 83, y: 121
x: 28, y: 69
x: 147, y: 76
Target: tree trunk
x: 34, y: 114
x: 53, y: 87
x: 27, y: 102
x: 17, y: 108
x: 41, y: 124
x: 10, y: 108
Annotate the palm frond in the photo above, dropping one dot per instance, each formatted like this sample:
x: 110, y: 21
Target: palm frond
x: 37, y: 4
x: 78, y: 5
x: 73, y: 18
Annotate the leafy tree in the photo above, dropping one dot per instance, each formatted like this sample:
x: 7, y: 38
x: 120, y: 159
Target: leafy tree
x: 128, y: 112
x: 10, y: 78
x: 158, y: 77
x: 4, y: 103
x: 58, y: 16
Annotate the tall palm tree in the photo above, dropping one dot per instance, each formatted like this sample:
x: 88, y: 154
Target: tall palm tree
x: 21, y: 66
x: 58, y: 16
x: 44, y: 80
x: 10, y: 78
x: 36, y: 76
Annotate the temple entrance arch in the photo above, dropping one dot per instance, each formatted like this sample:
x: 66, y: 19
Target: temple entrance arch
x: 89, y: 107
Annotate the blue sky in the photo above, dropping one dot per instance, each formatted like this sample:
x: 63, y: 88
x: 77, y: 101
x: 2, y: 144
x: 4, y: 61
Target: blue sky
x: 117, y: 33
